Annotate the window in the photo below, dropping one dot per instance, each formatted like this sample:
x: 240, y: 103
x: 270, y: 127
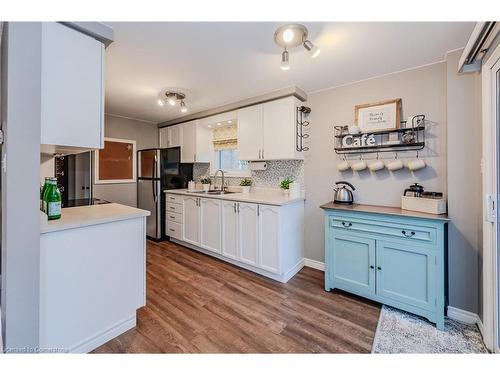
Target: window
x: 228, y: 161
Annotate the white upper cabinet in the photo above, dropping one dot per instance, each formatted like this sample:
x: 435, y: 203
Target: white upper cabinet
x: 72, y: 81
x: 268, y: 131
x: 250, y: 132
x: 195, y: 145
x: 171, y: 136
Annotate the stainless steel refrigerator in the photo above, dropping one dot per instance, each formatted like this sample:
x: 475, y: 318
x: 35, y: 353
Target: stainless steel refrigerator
x: 159, y: 169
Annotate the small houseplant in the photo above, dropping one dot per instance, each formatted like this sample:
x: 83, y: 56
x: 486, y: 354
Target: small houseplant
x: 206, y: 181
x: 245, y: 184
x: 285, y: 185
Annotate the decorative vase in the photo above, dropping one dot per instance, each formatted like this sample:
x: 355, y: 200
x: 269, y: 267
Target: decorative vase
x: 245, y: 189
x: 206, y: 187
x: 286, y: 191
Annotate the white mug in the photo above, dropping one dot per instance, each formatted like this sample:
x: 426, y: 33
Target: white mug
x: 343, y: 166
x: 376, y: 165
x: 359, y: 165
x: 353, y: 129
x: 416, y: 164
x: 394, y: 165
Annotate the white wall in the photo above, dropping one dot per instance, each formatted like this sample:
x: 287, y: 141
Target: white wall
x: 422, y: 92
x: 464, y: 138
x: 146, y: 136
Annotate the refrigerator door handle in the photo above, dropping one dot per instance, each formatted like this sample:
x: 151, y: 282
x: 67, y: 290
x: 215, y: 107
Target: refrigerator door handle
x: 153, y: 181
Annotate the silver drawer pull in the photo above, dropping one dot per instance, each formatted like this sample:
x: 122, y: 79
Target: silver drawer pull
x: 172, y: 230
x: 173, y: 208
x: 172, y: 217
x: 346, y: 225
x: 408, y: 235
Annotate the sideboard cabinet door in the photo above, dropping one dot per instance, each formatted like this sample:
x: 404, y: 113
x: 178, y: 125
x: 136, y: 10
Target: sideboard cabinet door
x: 406, y: 273
x: 353, y: 264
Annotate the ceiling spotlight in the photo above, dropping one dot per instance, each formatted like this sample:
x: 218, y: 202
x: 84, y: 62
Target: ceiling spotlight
x: 285, y: 65
x: 183, y: 107
x: 229, y: 121
x: 311, y: 48
x: 290, y: 36
x: 172, y: 98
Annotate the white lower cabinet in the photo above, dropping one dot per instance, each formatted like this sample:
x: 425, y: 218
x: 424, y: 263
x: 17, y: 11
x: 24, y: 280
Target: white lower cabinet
x: 191, y: 220
x: 210, y: 224
x: 264, y: 238
x: 269, y: 238
x: 248, y: 232
x: 229, y: 230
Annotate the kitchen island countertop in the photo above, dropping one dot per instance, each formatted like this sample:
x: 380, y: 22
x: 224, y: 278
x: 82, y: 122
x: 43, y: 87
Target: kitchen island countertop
x: 84, y: 216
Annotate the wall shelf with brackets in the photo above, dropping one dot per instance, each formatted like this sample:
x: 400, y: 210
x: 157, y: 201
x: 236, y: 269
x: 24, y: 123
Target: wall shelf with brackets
x: 404, y: 138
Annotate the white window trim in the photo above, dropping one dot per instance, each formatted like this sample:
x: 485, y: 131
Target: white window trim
x: 237, y: 174
x: 97, y: 181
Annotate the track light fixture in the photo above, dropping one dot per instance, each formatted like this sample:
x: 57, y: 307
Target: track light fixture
x: 172, y: 98
x: 290, y: 36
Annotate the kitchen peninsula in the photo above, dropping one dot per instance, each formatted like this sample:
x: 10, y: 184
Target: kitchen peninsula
x: 92, y: 275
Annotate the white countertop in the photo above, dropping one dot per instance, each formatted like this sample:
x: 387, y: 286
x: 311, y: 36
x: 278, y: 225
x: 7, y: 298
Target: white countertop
x: 274, y: 197
x: 83, y: 216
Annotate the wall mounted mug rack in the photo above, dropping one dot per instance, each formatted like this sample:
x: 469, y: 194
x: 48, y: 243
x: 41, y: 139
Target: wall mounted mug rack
x: 301, y: 123
x: 404, y: 138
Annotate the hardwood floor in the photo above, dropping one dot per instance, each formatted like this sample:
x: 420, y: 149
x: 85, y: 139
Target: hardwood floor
x: 198, y: 304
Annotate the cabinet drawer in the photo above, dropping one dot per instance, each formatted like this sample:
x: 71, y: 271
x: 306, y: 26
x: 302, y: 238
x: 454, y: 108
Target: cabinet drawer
x: 174, y: 216
x: 403, y: 231
x: 171, y: 198
x: 174, y: 229
x: 174, y: 207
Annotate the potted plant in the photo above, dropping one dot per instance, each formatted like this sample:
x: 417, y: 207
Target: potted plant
x: 245, y: 184
x: 206, y: 181
x: 285, y: 185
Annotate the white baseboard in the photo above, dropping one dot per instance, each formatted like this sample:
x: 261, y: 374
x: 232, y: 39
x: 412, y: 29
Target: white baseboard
x: 103, y: 337
x: 314, y: 264
x: 463, y: 316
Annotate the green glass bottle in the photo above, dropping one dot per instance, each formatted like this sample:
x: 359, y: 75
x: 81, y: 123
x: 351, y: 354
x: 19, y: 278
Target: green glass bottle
x: 43, y: 205
x: 52, y: 199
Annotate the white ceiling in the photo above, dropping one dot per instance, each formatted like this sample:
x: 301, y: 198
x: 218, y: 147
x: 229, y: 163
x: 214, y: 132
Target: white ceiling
x: 219, y: 63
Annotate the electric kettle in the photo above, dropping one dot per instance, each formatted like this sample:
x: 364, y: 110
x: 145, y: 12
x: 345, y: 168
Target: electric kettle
x: 343, y: 195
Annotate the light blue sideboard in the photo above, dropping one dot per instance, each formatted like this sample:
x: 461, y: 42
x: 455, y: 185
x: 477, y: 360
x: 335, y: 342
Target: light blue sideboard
x: 388, y: 255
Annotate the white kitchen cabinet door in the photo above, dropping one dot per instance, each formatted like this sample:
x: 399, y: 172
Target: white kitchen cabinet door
x: 188, y: 147
x: 279, y: 129
x: 72, y: 105
x: 163, y: 134
x: 250, y: 132
x: 191, y: 220
x: 174, y: 135
x: 269, y: 238
x: 229, y: 230
x: 203, y: 145
x: 210, y: 216
x: 248, y: 233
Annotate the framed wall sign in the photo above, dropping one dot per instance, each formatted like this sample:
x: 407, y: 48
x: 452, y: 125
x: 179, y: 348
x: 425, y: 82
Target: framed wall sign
x: 379, y: 116
x: 115, y: 163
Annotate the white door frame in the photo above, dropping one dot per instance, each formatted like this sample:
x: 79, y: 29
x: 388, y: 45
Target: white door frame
x: 491, y: 152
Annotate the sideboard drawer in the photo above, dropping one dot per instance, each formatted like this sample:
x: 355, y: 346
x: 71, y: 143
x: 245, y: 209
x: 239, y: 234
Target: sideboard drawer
x: 174, y: 216
x: 400, y: 230
x: 172, y: 198
x: 174, y: 207
x: 174, y: 230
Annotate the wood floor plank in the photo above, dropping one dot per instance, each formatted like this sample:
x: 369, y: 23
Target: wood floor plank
x: 199, y: 304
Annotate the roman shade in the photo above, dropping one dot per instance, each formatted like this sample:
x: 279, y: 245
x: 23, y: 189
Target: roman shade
x: 225, y: 138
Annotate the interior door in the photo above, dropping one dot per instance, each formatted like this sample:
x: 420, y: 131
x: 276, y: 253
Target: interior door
x: 406, y: 273
x: 229, y: 230
x: 248, y: 233
x: 353, y: 263
x: 210, y: 224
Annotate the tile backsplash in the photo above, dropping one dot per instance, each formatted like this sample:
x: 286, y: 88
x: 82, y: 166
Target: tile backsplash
x: 276, y: 171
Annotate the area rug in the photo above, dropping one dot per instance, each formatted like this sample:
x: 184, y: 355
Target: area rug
x: 402, y: 332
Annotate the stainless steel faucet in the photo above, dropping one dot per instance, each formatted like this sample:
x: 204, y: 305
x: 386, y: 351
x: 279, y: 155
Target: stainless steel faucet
x: 222, y: 182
